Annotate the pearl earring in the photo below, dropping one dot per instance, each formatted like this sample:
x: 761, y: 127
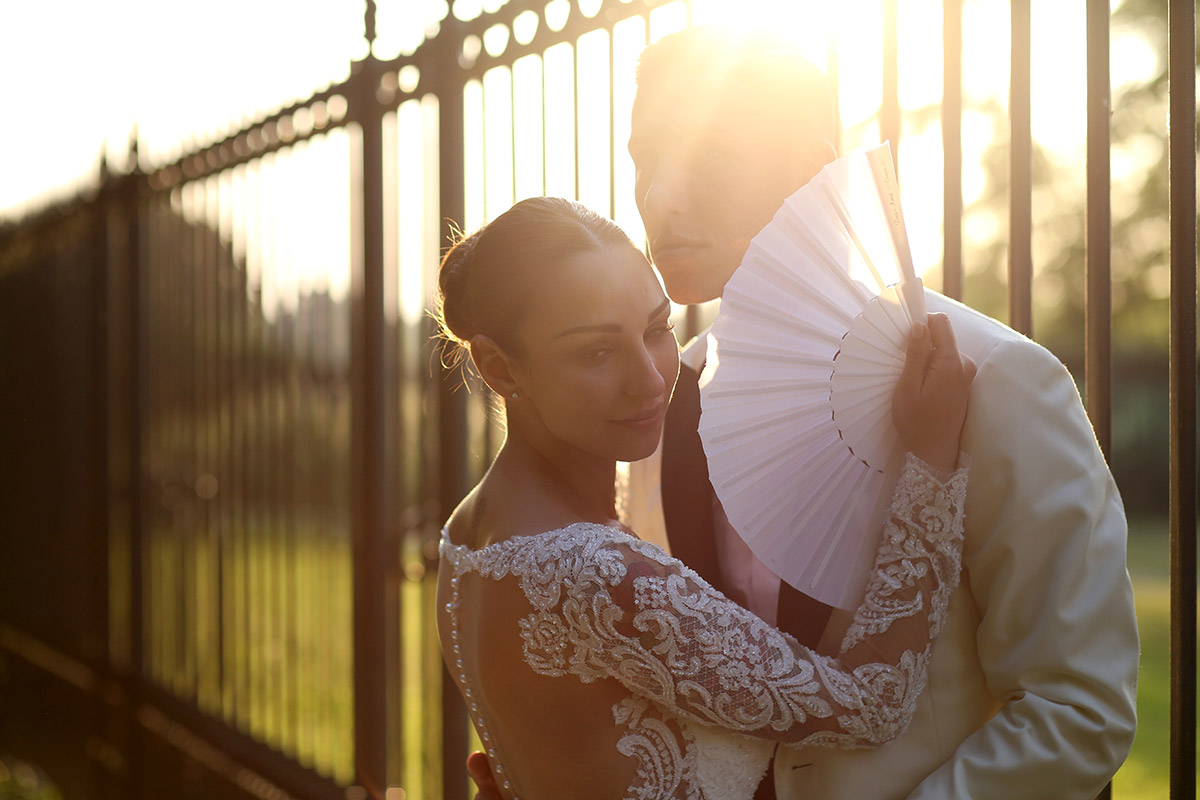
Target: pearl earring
x: 514, y: 395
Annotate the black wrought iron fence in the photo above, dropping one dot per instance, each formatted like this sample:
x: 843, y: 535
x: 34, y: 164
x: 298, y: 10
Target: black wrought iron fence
x: 229, y: 447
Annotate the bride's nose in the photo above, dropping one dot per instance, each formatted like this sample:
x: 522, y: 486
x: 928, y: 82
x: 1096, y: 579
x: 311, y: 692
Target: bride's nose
x: 643, y: 378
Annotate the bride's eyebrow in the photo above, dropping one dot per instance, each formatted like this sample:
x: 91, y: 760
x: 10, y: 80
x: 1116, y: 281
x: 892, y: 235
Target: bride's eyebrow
x: 611, y: 327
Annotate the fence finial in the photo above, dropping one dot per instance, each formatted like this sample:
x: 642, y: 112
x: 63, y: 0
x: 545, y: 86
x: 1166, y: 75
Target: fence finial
x: 369, y: 22
x: 132, y: 162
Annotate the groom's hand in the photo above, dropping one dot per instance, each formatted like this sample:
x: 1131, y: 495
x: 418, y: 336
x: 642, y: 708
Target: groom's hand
x: 930, y: 404
x: 481, y: 772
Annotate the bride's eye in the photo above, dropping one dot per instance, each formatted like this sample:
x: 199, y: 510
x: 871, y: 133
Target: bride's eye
x: 594, y: 354
x: 661, y: 329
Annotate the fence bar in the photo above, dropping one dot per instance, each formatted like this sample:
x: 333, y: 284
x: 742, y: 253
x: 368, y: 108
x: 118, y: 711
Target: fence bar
x: 240, y: 519
x: 889, y: 104
x: 227, y: 560
x: 370, y: 548
x: 453, y: 476
x: 1020, y: 234
x: 396, y: 436
x: 1181, y: 18
x: 613, y: 144
x: 575, y: 121
x: 138, y: 226
x: 834, y: 79
x: 952, y: 196
x: 100, y: 546
x: 260, y: 529
x: 188, y: 558
x: 95, y: 646
x: 213, y: 463
x: 1098, y: 260
x: 1097, y: 256
x: 162, y: 365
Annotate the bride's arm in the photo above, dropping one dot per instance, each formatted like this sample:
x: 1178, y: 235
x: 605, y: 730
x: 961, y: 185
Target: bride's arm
x: 668, y: 636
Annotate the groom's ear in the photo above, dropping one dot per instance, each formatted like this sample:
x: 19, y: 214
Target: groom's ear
x: 494, y: 365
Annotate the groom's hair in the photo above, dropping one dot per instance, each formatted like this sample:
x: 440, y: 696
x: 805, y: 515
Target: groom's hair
x: 757, y: 64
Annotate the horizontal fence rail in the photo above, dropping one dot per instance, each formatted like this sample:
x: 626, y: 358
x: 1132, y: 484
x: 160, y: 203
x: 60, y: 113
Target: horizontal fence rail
x: 233, y: 443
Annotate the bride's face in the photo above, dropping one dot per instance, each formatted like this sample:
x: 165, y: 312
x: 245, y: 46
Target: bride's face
x: 598, y: 359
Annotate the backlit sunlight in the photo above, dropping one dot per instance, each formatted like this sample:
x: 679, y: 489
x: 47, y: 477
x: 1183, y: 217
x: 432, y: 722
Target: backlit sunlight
x: 544, y: 114
x: 535, y: 128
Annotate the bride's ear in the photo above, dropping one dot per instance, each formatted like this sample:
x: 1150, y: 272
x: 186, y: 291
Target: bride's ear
x: 494, y: 365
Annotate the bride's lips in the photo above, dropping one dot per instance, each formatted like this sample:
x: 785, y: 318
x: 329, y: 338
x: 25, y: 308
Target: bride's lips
x: 643, y: 420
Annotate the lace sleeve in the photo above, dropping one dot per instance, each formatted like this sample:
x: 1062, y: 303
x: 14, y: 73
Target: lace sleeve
x: 621, y: 608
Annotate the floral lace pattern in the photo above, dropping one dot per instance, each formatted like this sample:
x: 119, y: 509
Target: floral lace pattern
x: 663, y: 763
x: 605, y: 604
x: 901, y: 561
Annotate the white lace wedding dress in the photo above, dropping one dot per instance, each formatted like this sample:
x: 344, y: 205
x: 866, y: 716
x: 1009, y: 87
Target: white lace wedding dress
x: 595, y: 665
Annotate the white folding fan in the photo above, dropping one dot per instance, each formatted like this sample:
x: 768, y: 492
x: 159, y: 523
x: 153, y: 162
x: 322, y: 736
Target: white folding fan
x: 804, y: 355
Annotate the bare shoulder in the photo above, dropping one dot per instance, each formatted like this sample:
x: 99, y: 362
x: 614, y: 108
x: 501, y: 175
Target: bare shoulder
x: 463, y: 525
x: 499, y: 508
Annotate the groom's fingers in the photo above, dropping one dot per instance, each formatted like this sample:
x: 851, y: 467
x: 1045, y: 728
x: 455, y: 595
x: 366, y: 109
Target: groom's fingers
x: 945, y: 345
x: 969, y: 367
x: 916, y: 360
x: 941, y: 334
x: 947, y: 364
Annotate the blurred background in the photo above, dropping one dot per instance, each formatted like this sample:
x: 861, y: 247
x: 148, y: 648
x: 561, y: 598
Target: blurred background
x: 229, y: 445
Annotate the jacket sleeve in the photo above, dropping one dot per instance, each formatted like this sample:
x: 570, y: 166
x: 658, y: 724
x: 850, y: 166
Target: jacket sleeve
x: 1045, y: 558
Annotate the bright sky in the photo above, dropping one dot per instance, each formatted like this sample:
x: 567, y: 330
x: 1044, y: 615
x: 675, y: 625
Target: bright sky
x: 77, y: 75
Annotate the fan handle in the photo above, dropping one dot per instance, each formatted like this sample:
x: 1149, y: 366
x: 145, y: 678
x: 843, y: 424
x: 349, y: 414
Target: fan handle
x: 912, y: 290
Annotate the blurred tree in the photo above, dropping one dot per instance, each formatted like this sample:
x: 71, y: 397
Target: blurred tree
x: 1140, y: 240
x: 1140, y: 247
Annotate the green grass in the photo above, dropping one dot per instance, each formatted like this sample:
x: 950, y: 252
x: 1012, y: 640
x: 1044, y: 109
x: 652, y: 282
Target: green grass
x: 1145, y: 775
x: 267, y: 646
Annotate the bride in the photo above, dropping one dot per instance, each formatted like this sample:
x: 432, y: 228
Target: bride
x: 592, y: 663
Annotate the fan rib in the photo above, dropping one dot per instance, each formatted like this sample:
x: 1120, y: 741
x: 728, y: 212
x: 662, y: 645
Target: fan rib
x: 843, y: 214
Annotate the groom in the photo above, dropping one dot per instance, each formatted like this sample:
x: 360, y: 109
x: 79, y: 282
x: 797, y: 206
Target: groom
x: 1031, y: 685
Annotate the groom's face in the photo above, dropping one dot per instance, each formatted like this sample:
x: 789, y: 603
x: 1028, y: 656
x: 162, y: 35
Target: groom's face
x: 712, y: 170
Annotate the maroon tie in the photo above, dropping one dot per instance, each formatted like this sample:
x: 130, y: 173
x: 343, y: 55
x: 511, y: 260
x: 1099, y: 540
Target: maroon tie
x: 686, y: 493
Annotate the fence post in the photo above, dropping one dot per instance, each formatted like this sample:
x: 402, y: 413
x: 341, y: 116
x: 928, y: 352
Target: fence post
x: 1020, y: 233
x: 1098, y: 233
x: 889, y: 102
x: 134, y: 351
x: 1181, y: 20
x: 369, y: 444
x: 453, y: 476
x: 1098, y: 223
x: 952, y: 195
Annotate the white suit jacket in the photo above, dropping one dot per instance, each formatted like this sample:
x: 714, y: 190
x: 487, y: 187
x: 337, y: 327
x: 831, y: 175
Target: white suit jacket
x: 1032, y: 684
